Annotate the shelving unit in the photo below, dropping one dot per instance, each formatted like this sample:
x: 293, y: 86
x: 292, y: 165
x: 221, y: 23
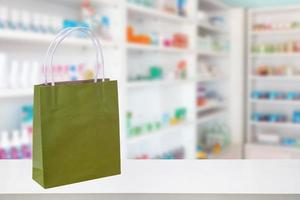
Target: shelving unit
x: 282, y: 83
x: 119, y: 54
x: 158, y: 133
x: 152, y: 12
x: 157, y: 83
x: 213, y: 111
x: 185, y: 130
x: 18, y: 36
x: 142, y: 47
x: 31, y: 46
x: 15, y: 93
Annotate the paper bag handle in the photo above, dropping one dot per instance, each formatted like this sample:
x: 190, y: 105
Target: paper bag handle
x: 59, y: 38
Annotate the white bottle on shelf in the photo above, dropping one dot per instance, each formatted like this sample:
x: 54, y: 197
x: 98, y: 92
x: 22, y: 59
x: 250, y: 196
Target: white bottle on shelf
x: 5, y: 145
x: 16, y: 145
x: 3, y: 71
x: 25, y: 20
x: 15, y: 19
x: 25, y: 144
x: 14, y: 75
x: 46, y: 23
x: 37, y: 23
x: 3, y: 17
x: 56, y: 24
x: 24, y: 81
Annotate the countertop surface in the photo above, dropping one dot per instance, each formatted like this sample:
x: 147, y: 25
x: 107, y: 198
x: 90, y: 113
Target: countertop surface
x: 170, y: 176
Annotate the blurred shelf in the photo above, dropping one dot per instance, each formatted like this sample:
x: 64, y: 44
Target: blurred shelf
x: 144, y: 47
x: 277, y: 102
x: 156, y: 83
x: 275, y: 78
x: 274, y: 55
x: 213, y: 29
x: 233, y: 151
x: 15, y: 93
x: 153, y: 12
x: 210, y: 105
x: 157, y: 133
x: 276, y: 33
x: 211, y: 79
x: 276, y: 124
x: 114, y: 3
x: 213, y: 54
x: 208, y: 117
x: 19, y: 36
x: 267, y: 151
x: 212, y: 5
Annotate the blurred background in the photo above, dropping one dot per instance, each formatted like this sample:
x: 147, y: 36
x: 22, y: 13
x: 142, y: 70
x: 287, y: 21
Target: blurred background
x: 198, y: 79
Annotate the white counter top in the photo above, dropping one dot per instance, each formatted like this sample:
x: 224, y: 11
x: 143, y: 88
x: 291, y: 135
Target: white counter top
x: 170, y: 176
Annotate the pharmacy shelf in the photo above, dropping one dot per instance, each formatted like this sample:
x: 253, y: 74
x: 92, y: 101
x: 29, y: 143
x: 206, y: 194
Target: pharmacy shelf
x: 19, y: 36
x: 157, y: 83
x: 277, y: 102
x: 212, y: 54
x: 271, y: 33
x: 208, y: 117
x: 114, y: 3
x: 213, y: 6
x: 275, y: 78
x: 211, y: 79
x: 275, y: 55
x: 172, y: 129
x: 15, y: 93
x: 253, y: 59
x: 144, y: 47
x: 276, y: 124
x: 263, y: 151
x: 212, y: 29
x: 232, y: 151
x: 152, y: 12
x: 211, y: 105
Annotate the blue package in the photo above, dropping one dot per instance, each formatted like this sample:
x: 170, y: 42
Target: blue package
x: 289, y: 141
x: 273, y: 95
x: 105, y: 21
x: 290, y: 95
x: 296, y: 117
x: 255, y: 94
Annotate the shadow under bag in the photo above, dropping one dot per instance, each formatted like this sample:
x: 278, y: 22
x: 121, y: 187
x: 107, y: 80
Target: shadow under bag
x: 75, y: 126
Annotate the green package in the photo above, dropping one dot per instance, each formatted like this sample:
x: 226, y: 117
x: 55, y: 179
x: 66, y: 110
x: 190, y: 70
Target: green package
x: 75, y: 132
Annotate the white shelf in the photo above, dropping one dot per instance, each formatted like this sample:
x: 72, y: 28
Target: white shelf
x: 275, y: 78
x: 213, y: 54
x: 144, y: 47
x: 290, y: 32
x: 19, y: 36
x: 15, y: 93
x: 211, y: 105
x: 267, y: 151
x: 213, y: 5
x: 274, y: 55
x: 211, y: 79
x: 276, y: 124
x: 213, y: 29
x: 277, y: 102
x: 158, y: 133
x: 114, y: 3
x: 156, y: 13
x: 156, y: 83
x: 208, y: 117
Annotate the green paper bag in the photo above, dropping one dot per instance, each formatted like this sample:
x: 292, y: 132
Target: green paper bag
x: 75, y: 129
